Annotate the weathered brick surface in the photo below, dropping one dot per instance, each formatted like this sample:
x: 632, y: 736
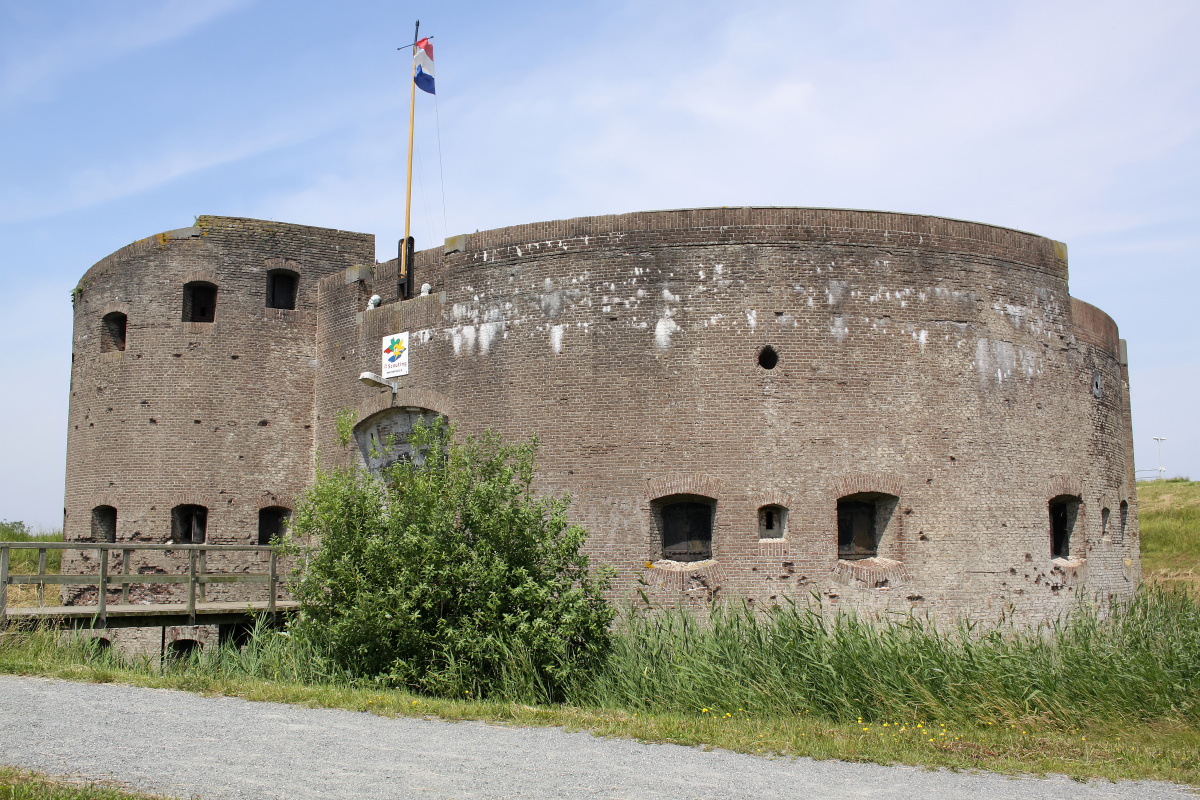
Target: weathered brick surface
x: 217, y: 414
x: 939, y: 361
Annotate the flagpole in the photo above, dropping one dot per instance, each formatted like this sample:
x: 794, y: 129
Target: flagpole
x: 412, y: 112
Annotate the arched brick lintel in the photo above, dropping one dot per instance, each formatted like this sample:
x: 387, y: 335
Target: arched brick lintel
x: 405, y: 398
x: 104, y: 500
x: 109, y: 308
x: 1060, y: 485
x: 882, y: 482
x: 271, y: 500
x: 192, y: 499
x: 774, y: 497
x: 201, y: 275
x: 697, y: 483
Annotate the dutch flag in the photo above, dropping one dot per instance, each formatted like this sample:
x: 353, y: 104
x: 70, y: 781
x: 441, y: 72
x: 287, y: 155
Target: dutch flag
x: 423, y: 76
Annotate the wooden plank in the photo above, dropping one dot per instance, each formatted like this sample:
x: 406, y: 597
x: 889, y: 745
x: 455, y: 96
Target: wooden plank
x: 271, y: 585
x: 241, y: 577
x: 191, y: 602
x: 3, y: 583
x: 125, y: 571
x: 41, y: 571
x: 102, y: 594
x: 94, y: 580
x: 87, y: 580
x: 203, y: 570
x: 216, y: 548
x: 159, y: 609
x: 145, y: 616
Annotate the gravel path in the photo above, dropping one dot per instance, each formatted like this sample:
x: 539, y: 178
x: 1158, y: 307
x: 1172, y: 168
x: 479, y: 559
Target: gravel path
x: 220, y: 747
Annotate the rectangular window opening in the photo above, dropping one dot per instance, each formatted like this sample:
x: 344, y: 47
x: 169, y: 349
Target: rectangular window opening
x: 199, y: 302
x: 281, y: 289
x: 189, y: 524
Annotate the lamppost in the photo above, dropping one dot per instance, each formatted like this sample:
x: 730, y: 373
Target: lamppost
x: 1160, y: 440
x: 376, y: 380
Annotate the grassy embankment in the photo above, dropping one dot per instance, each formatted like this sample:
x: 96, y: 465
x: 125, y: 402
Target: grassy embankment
x: 1169, y: 517
x: 1111, y: 698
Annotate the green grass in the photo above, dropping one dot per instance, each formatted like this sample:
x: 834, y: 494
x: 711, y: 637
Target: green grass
x: 1104, y: 696
x: 18, y: 784
x: 25, y: 561
x: 1169, y: 520
x: 1113, y: 698
x: 1139, y: 663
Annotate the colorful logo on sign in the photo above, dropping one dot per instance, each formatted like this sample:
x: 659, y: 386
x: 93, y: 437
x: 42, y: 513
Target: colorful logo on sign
x: 395, y: 355
x: 394, y: 351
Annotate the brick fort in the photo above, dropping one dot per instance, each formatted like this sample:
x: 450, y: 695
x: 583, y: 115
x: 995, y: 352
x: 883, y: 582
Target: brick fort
x: 886, y: 411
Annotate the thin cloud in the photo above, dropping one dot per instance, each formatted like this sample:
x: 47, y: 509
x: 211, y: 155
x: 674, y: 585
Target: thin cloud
x: 107, y: 35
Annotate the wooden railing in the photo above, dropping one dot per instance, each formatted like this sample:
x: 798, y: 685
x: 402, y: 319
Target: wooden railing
x: 197, y: 578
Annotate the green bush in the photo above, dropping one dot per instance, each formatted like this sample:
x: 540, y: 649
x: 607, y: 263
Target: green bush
x: 449, y: 575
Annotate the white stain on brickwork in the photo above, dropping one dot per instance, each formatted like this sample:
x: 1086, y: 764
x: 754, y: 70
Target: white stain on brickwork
x: 838, y: 328
x: 551, y: 301
x: 663, y: 330
x: 1003, y: 361
x: 670, y: 298
x: 835, y: 292
x: 752, y: 318
x: 487, y: 333
x: 556, y: 337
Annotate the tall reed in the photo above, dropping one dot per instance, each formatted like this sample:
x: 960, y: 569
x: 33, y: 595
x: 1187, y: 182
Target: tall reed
x: 1137, y: 661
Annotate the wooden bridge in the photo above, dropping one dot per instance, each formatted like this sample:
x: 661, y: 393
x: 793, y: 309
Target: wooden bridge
x: 197, y: 610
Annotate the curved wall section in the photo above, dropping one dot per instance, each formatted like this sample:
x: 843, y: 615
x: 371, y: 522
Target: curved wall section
x: 892, y: 411
x: 212, y: 414
x: 946, y: 359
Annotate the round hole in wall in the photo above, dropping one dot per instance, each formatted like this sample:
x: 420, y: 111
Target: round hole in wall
x: 768, y: 358
x: 1097, y: 386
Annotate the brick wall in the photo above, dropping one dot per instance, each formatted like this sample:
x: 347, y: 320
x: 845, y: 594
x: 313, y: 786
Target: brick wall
x: 939, y: 362
x: 942, y: 362
x: 216, y: 414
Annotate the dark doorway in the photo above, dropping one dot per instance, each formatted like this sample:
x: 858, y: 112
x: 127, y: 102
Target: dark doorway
x: 281, y: 288
x: 856, y: 529
x: 199, y: 302
x: 1063, y: 512
x: 686, y: 530
x: 112, y: 332
x: 104, y: 524
x: 189, y: 524
x: 272, y: 522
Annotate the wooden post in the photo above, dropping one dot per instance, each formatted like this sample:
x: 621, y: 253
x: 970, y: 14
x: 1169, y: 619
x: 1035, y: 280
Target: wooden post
x: 202, y: 572
x: 271, y: 586
x: 41, y: 573
x: 191, y: 601
x: 3, y: 584
x: 102, y: 611
x: 412, y: 115
x: 124, y: 571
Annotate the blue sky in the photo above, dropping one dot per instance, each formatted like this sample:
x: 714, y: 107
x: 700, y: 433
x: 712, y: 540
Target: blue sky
x: 1075, y: 120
